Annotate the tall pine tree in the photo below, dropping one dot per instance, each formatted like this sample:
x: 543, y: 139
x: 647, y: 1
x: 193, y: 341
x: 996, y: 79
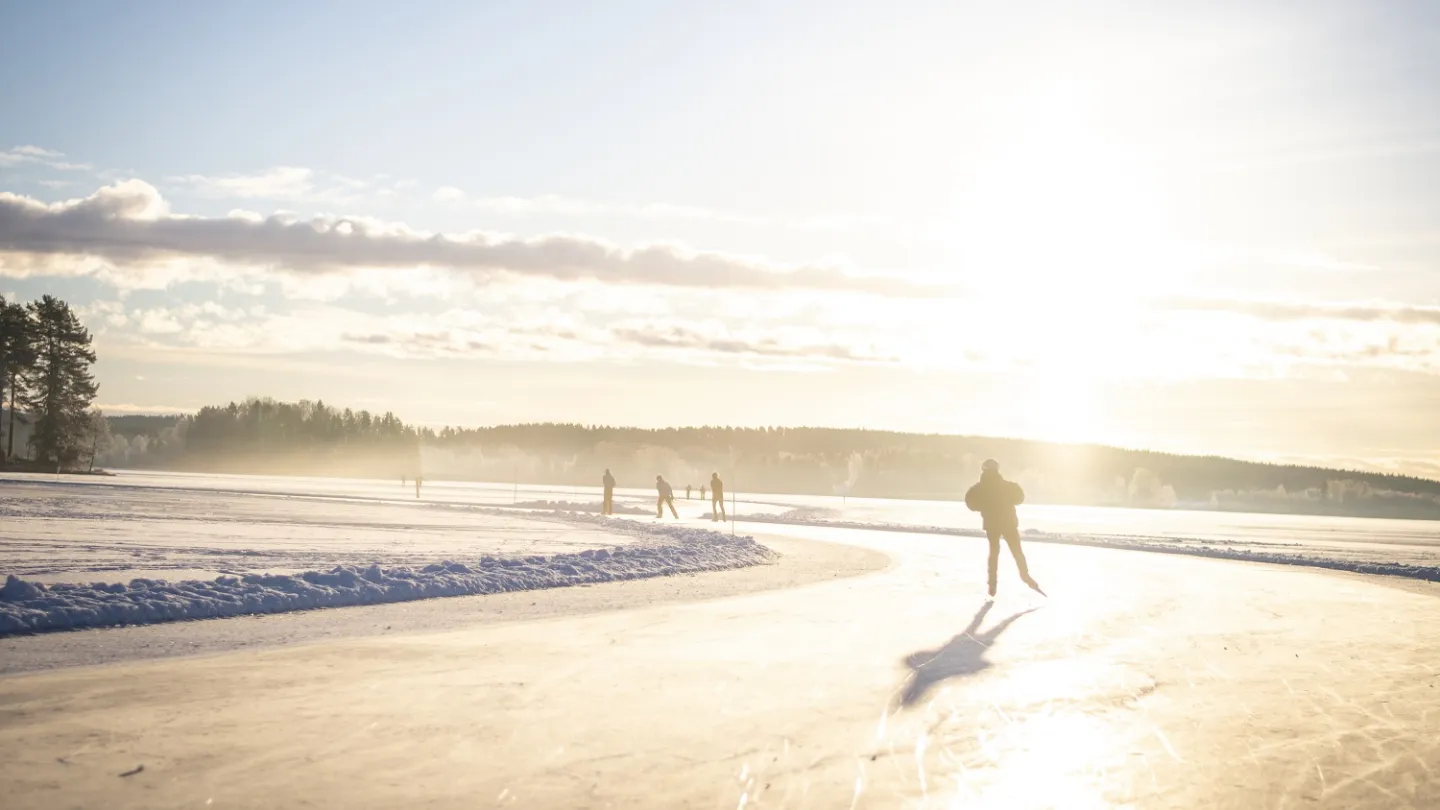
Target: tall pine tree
x: 17, y: 356
x: 59, y: 388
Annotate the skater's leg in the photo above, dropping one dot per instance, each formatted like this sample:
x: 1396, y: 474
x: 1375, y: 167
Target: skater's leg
x: 671, y: 501
x: 1012, y: 539
x: 659, y: 507
x: 721, y: 504
x: 994, y: 562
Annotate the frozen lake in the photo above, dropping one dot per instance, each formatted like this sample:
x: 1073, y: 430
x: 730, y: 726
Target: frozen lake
x: 181, y: 525
x: 193, y: 527
x: 1145, y: 680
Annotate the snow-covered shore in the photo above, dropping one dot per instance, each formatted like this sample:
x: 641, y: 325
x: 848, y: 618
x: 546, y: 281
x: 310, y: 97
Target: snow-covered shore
x: 30, y: 607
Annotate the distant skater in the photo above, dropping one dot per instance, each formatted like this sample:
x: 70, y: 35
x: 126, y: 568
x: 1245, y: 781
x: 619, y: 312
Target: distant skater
x: 702, y: 492
x: 667, y: 496
x: 995, y: 499
x: 608, y: 506
x: 687, y: 492
x: 717, y: 498
x: 417, y: 485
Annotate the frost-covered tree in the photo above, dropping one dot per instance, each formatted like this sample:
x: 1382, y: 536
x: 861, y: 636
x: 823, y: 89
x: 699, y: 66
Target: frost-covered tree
x: 59, y: 387
x: 17, y: 357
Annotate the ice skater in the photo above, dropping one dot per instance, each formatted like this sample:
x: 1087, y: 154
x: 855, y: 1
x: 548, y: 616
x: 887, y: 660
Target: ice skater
x: 995, y: 499
x: 607, y: 507
x: 688, y: 490
x: 417, y: 485
x: 667, y: 496
x: 717, y: 498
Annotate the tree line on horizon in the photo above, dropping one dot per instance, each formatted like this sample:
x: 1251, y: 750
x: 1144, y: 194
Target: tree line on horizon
x: 46, y: 388
x: 47, y: 391
x: 267, y: 437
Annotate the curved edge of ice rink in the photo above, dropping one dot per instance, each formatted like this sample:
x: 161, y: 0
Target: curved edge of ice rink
x: 1147, y: 680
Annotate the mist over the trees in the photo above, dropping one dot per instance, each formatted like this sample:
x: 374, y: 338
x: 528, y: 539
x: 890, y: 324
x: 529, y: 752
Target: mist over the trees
x: 262, y: 436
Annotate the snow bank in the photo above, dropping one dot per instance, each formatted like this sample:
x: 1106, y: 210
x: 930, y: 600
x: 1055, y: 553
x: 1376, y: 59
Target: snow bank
x: 30, y: 607
x: 1203, y: 549
x: 1194, y: 548
x: 571, y: 506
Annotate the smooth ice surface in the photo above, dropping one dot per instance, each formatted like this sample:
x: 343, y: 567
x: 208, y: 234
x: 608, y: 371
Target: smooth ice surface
x: 1147, y: 680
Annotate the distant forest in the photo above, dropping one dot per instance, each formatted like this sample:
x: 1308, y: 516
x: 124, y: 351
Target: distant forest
x: 312, y: 438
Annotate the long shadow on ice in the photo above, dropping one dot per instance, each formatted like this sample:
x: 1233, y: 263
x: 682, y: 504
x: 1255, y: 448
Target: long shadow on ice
x: 960, y: 656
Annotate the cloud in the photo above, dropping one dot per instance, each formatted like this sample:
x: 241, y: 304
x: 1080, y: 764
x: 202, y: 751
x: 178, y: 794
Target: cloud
x: 20, y: 155
x: 282, y: 183
x: 128, y: 224
x: 1299, y: 311
x: 557, y: 205
x: 678, y: 337
x: 131, y: 409
x: 1391, y: 352
x: 37, y: 152
x: 570, y: 206
x: 448, y: 194
x: 369, y: 340
x: 553, y: 333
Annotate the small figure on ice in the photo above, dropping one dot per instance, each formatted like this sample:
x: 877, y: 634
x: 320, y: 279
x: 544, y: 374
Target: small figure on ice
x: 607, y: 507
x: 667, y: 496
x: 717, y: 497
x: 995, y: 499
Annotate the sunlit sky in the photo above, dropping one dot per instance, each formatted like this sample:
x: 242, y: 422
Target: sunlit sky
x: 1198, y: 227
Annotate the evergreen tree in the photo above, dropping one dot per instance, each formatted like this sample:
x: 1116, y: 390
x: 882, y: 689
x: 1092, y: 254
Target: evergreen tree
x: 59, y: 388
x: 17, y: 357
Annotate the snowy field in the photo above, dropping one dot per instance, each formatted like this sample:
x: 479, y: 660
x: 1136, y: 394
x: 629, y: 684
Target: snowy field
x: 86, y: 552
x: 67, y: 532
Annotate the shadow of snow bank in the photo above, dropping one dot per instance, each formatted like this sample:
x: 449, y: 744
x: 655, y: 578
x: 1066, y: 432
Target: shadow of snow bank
x: 31, y: 607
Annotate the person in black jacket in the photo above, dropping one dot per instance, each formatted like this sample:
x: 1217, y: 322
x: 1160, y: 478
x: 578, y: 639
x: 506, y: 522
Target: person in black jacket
x: 995, y: 499
x: 607, y: 507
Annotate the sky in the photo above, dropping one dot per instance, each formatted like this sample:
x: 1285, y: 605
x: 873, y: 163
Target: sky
x: 1194, y: 227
